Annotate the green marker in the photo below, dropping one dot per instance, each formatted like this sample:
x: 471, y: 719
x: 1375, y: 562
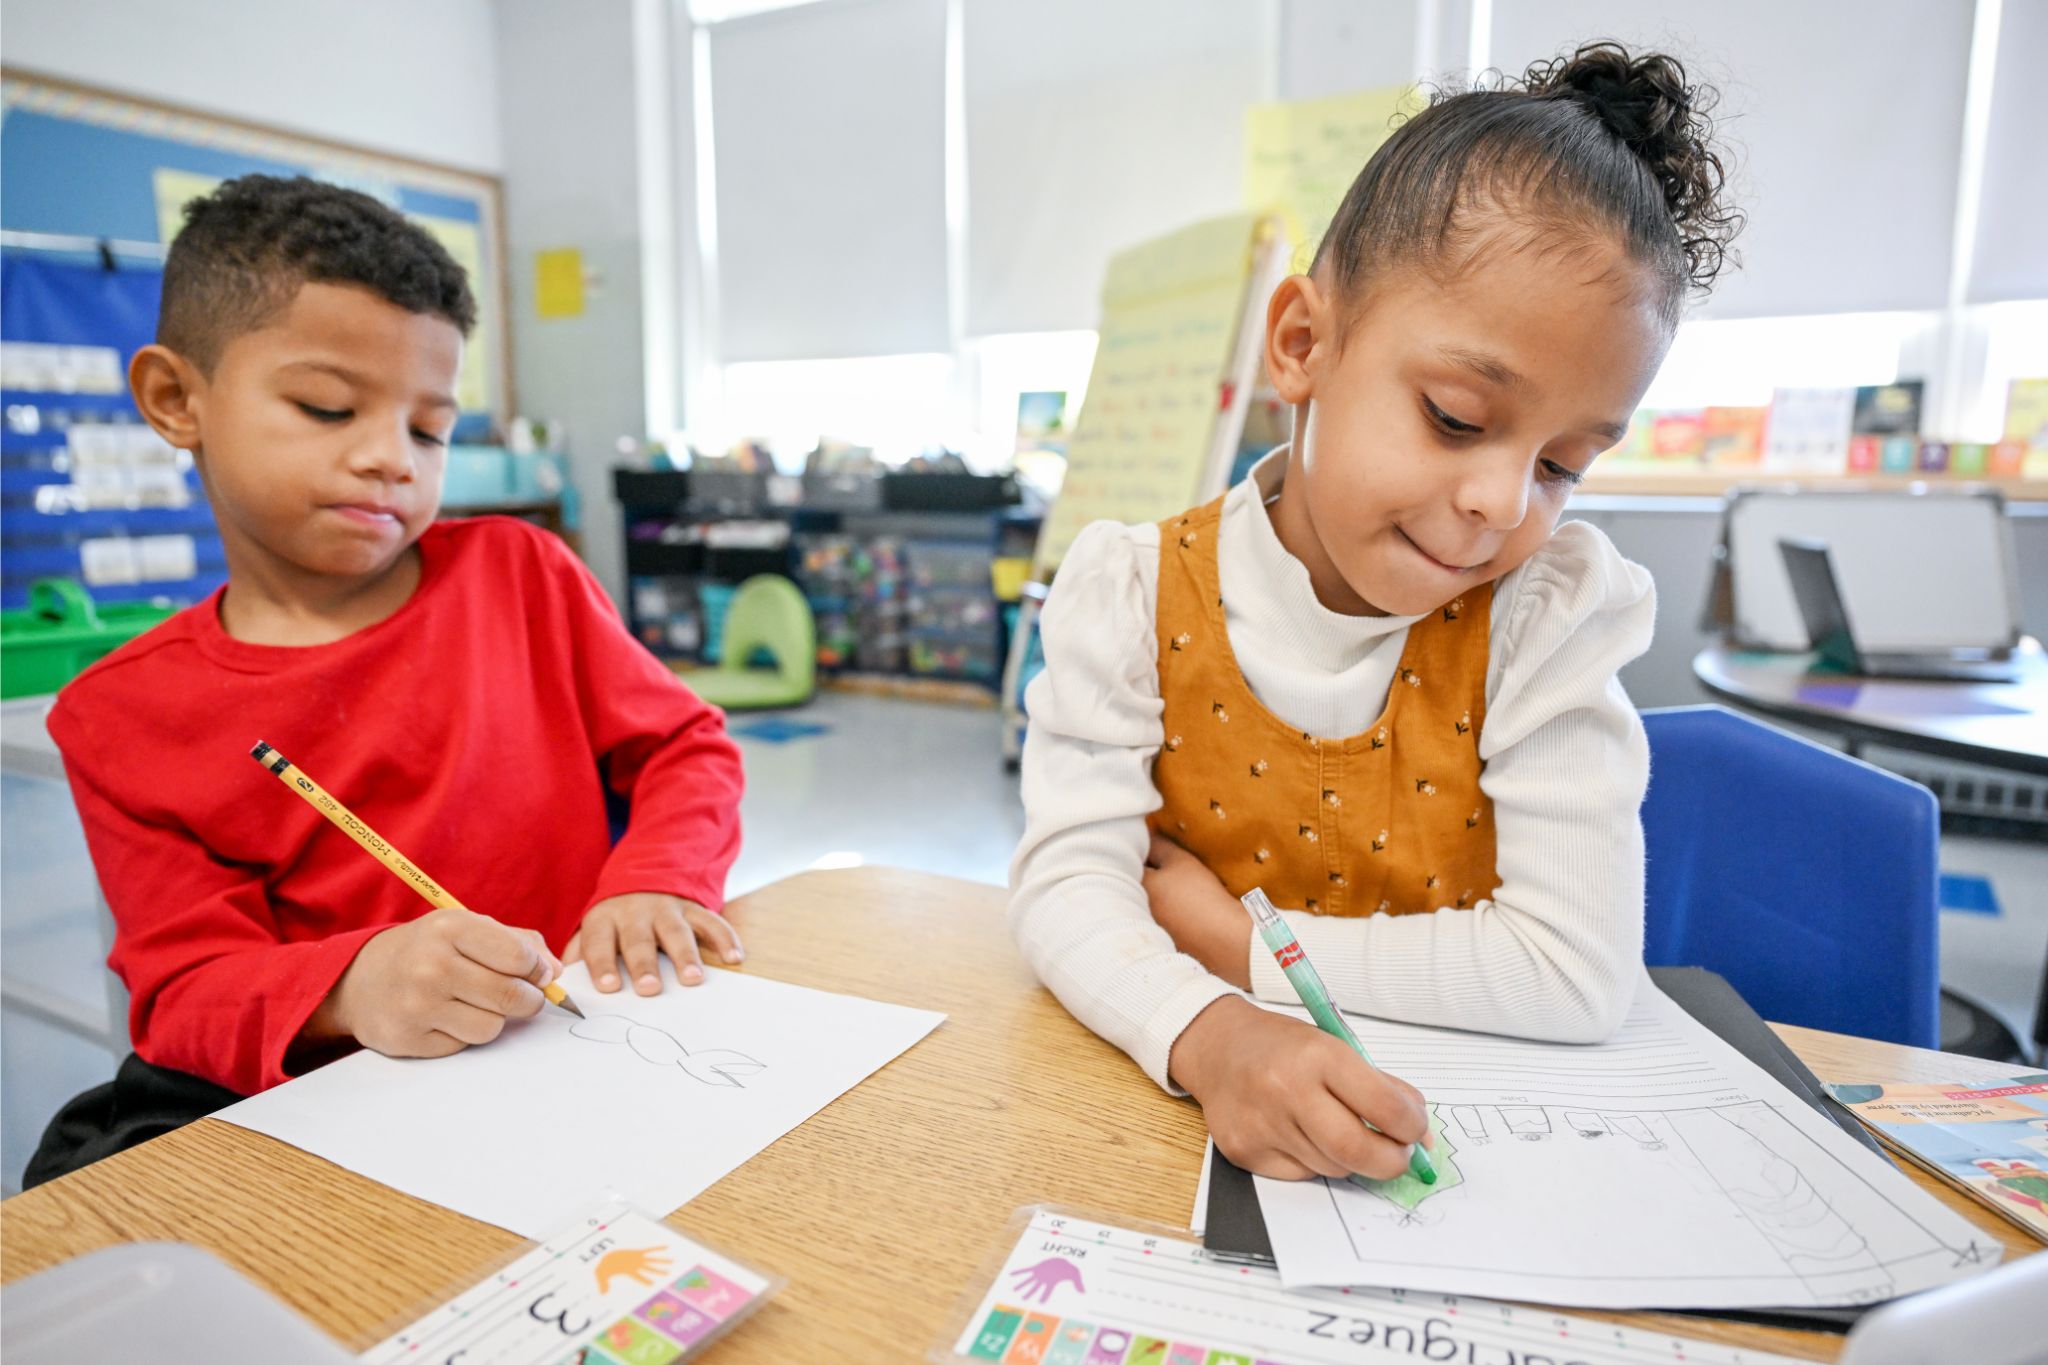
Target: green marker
x: 1301, y: 974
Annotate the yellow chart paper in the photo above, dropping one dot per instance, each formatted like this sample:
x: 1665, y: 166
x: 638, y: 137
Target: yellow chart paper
x: 1301, y: 156
x: 1170, y: 313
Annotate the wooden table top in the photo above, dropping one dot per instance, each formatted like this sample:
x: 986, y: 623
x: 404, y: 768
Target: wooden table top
x: 1009, y: 1102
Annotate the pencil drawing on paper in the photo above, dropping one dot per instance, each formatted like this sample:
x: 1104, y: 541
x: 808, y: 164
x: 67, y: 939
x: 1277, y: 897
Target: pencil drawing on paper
x: 1739, y: 1153
x: 659, y: 1047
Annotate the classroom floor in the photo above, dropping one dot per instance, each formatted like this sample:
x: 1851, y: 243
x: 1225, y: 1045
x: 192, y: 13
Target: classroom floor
x: 848, y: 779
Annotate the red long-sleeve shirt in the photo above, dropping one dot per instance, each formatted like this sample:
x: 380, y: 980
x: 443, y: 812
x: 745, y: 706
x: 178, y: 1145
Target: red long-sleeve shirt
x: 475, y: 729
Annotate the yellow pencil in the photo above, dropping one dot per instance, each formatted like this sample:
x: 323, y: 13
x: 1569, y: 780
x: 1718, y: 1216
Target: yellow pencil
x: 400, y: 865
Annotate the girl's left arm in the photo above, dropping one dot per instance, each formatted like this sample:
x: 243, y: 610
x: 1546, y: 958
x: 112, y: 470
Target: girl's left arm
x: 1557, y: 951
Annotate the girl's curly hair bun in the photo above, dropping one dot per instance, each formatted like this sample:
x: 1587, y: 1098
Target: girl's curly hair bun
x: 1646, y: 102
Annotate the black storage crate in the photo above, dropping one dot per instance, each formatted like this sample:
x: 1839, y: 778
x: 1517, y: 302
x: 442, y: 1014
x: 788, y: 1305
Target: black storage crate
x: 947, y: 492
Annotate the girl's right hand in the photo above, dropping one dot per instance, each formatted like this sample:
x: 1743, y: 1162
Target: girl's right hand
x: 1284, y: 1099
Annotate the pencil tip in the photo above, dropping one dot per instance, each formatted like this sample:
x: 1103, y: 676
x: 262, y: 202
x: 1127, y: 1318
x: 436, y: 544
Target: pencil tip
x: 570, y: 1005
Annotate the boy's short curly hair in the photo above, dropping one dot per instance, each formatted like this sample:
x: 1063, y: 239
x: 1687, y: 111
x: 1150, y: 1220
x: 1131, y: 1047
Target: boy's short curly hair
x: 247, y: 247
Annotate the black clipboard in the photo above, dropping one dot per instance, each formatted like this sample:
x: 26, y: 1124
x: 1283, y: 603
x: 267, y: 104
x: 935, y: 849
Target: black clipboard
x: 1235, y: 1229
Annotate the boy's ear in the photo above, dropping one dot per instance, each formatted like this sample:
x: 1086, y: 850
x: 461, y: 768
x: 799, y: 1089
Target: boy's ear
x: 1298, y: 322
x: 166, y: 386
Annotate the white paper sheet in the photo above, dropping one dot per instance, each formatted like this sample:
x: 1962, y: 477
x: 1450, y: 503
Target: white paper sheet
x: 650, y: 1100
x: 1079, y: 1292
x: 1659, y: 1169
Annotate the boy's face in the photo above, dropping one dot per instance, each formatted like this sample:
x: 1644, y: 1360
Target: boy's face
x: 322, y: 436
x: 1443, y: 436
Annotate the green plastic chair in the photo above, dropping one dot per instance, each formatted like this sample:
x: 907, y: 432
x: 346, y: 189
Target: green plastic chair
x: 768, y: 615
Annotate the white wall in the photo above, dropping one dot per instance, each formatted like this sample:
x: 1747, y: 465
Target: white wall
x: 417, y: 78
x: 572, y: 179
x: 540, y: 92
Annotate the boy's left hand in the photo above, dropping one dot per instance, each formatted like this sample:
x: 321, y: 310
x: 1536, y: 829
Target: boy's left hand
x: 640, y: 924
x: 1192, y: 904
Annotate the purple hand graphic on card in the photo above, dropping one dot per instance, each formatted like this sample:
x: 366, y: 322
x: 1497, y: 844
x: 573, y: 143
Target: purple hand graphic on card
x: 1038, y: 1281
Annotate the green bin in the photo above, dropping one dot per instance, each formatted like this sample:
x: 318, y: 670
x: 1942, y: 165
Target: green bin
x: 50, y: 641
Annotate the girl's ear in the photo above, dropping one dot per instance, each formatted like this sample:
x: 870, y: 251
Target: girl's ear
x: 165, y: 385
x: 1298, y: 337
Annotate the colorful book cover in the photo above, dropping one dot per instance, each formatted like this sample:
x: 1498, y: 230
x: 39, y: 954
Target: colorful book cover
x: 1968, y: 457
x: 1808, y: 431
x: 2026, y: 412
x: 1934, y: 457
x: 1735, y: 436
x: 2008, y: 459
x: 1863, y: 454
x: 1990, y: 1139
x: 1898, y: 453
x: 1887, y: 409
x: 1678, y: 437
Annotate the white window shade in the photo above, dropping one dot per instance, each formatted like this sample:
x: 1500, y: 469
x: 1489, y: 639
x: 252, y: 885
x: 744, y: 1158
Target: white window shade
x: 1091, y: 127
x: 1848, y: 121
x: 2011, y: 259
x: 1332, y: 47
x: 829, y: 131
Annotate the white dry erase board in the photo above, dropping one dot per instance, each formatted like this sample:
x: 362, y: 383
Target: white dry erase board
x: 1920, y: 569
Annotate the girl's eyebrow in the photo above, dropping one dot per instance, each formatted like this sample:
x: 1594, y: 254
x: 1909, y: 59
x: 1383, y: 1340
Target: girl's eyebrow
x: 1496, y: 371
x: 1492, y: 369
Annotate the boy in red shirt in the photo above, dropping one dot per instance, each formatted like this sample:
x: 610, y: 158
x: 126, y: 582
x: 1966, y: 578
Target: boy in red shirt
x: 466, y: 687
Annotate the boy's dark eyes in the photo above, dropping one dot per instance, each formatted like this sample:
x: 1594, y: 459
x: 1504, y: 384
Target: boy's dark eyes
x: 1445, y: 421
x: 1558, y: 473
x: 331, y: 415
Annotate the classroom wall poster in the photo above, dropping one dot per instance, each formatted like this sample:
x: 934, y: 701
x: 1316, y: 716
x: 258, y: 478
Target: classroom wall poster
x: 1302, y: 155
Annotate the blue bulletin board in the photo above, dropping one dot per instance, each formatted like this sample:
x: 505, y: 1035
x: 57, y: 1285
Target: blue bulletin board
x: 80, y: 162
x: 85, y: 490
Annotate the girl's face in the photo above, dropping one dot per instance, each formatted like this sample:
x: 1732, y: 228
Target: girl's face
x: 1439, y: 428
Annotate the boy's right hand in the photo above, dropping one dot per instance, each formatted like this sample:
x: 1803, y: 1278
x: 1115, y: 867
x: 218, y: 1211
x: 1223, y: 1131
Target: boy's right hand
x: 443, y: 982
x: 1284, y: 1099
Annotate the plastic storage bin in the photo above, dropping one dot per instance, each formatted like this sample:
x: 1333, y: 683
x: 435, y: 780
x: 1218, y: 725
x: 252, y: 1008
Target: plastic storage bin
x: 61, y: 631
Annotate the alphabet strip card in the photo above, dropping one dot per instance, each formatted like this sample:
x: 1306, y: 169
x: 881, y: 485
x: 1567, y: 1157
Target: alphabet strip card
x: 1071, y: 1290
x: 614, y: 1288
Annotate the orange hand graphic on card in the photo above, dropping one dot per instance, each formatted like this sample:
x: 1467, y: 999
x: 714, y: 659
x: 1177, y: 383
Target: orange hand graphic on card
x: 641, y: 1265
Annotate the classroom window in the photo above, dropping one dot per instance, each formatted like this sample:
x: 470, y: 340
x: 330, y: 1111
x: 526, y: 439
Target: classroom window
x: 1008, y: 366
x: 1737, y: 362
x: 2015, y: 340
x: 899, y: 405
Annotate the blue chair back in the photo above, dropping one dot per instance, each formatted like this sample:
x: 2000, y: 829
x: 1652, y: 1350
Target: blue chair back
x: 1805, y: 877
